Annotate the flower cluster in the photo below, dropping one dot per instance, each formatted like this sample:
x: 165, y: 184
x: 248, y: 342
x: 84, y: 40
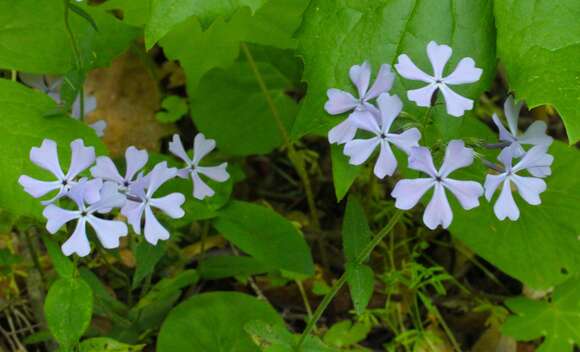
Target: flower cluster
x: 104, y: 189
x: 377, y: 123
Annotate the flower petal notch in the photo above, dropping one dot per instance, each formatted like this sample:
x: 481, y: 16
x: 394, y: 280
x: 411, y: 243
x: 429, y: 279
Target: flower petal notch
x: 201, y: 147
x: 105, y: 168
x: 528, y: 187
x: 140, y: 203
x: 408, y: 192
x: 359, y: 150
x: 361, y: 110
x: 46, y: 157
x: 439, y: 55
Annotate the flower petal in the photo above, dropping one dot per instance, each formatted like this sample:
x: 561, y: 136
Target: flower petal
x: 386, y: 163
x: 406, y: 140
x: 506, y: 156
x: 409, y: 70
x: 455, y: 103
x: 359, y: 150
x: 360, y: 75
x: 176, y: 147
x: 343, y: 132
x: 106, y: 169
x: 78, y: 242
x: 504, y: 134
x: 438, y: 55
x: 37, y: 188
x: 56, y: 217
x: 529, y: 188
x: 108, y: 231
x: 200, y: 189
x: 46, y: 157
x: 34, y: 81
x: 456, y: 156
x: 217, y: 173
x: 339, y: 101
x: 512, y: 114
x: 536, y: 157
x: 408, y: 192
x: 390, y: 107
x: 170, y: 204
x: 438, y: 211
x: 492, y: 183
x: 420, y: 159
x: 505, y: 206
x: 383, y: 82
x: 154, y: 231
x: 536, y: 134
x: 465, y: 72
x: 82, y: 158
x: 466, y: 192
x: 201, y: 147
x: 366, y: 120
x: 158, y: 176
x: 99, y: 127
x: 136, y: 160
x: 422, y: 96
x: 133, y: 211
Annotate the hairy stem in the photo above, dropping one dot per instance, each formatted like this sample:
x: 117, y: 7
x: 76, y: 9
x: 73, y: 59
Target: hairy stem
x: 364, y: 254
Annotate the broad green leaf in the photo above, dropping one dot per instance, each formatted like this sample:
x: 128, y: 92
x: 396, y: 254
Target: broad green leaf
x: 361, y: 281
x: 223, y: 266
x: 556, y: 320
x: 61, y: 263
x: 230, y: 107
x: 135, y: 12
x: 265, y: 235
x: 34, y: 39
x: 338, y: 34
x: 68, y: 308
x: 166, y: 14
x: 544, y: 238
x: 105, y: 304
x: 273, y: 24
x: 173, y: 107
x: 105, y: 344
x: 147, y: 257
x: 167, y: 287
x: 24, y: 126
x: 356, y: 233
x: 214, y: 322
x: 540, y: 52
x: 343, y: 174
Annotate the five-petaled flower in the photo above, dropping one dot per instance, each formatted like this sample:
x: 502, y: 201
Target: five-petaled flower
x: 359, y: 150
x: 106, y: 169
x: 438, y: 212
x: 534, y: 135
x: 108, y: 231
x: 46, y: 157
x: 340, y: 101
x: 143, y: 202
x: 529, y: 188
x: 201, y: 147
x: 465, y: 72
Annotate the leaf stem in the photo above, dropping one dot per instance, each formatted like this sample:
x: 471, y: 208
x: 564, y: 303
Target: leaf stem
x: 363, y: 255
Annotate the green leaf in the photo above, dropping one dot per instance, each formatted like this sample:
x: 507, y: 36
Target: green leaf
x: 214, y: 322
x: 361, y: 281
x: 230, y: 107
x: 265, y: 235
x: 219, y: 267
x: 343, y: 174
x: 105, y: 304
x: 344, y: 333
x: 23, y: 127
x: 356, y: 233
x: 68, y: 308
x: 279, y: 339
x: 105, y: 344
x: 34, y: 38
x: 337, y: 34
x: 62, y: 264
x: 174, y: 109
x: 168, y: 287
x: 147, y: 257
x: 540, y: 54
x: 556, y: 320
x: 166, y: 14
x: 135, y: 12
x: 544, y: 238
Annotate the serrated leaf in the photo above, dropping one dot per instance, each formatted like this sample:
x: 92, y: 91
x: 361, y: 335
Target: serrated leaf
x: 265, y: 235
x: 361, y: 281
x: 214, y: 322
x: 23, y: 127
x: 557, y: 321
x: 68, y: 308
x: 540, y: 53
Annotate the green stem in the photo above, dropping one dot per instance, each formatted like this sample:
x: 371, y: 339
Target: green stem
x: 362, y: 257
